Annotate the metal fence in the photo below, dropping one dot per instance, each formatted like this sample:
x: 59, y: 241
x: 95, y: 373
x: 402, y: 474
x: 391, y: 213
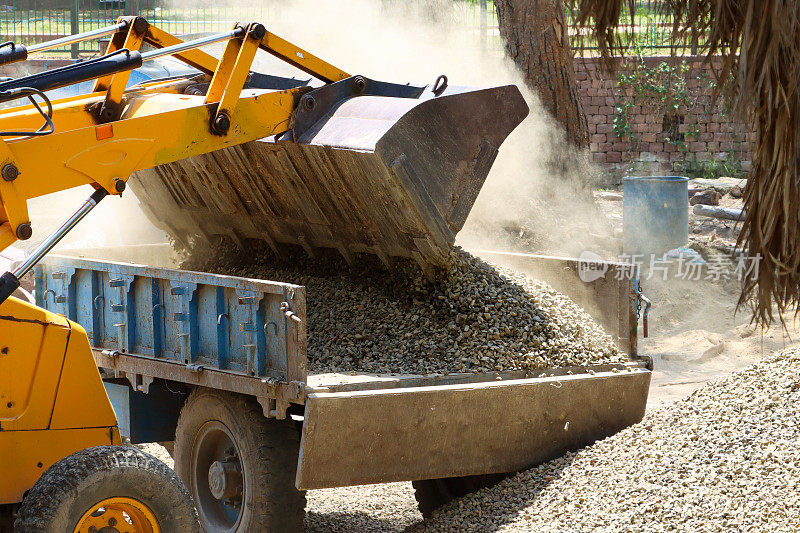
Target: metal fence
x: 34, y: 21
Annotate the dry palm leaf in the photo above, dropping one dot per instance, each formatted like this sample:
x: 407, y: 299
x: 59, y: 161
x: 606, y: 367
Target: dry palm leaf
x: 759, y: 43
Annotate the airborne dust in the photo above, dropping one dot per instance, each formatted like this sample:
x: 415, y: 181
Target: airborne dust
x: 536, y: 197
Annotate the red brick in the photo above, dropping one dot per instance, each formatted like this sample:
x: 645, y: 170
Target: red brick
x: 697, y: 146
x: 598, y: 138
x: 605, y: 127
x: 657, y: 147
x: 621, y: 146
x: 605, y: 147
x: 591, y: 110
x: 613, y: 157
x: 605, y: 110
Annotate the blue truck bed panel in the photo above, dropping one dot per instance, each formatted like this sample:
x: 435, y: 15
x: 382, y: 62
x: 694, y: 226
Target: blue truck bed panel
x: 242, y: 326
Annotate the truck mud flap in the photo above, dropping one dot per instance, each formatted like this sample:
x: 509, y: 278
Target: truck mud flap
x: 402, y: 434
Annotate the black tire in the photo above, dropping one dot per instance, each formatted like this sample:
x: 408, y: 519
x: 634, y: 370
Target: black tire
x: 7, y: 514
x: 219, y: 428
x: 74, y: 485
x: 434, y: 493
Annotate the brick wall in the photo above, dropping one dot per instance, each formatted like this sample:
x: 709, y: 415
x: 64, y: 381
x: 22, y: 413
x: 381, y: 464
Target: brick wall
x: 700, y: 132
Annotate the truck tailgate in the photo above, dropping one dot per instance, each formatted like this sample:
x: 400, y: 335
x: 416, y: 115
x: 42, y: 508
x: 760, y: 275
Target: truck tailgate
x: 399, y: 434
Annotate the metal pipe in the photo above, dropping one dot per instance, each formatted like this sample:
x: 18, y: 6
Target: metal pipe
x: 59, y: 234
x: 118, y: 61
x: 190, y: 45
x: 78, y: 37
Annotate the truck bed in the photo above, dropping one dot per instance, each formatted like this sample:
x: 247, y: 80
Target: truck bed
x: 160, y: 326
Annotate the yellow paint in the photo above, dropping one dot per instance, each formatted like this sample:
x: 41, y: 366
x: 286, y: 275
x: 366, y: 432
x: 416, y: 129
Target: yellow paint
x: 52, y: 400
x: 305, y: 61
x: 108, y: 513
x: 224, y: 70
x: 81, y: 399
x: 133, y: 41
x: 239, y: 73
x: 24, y: 451
x: 32, y: 346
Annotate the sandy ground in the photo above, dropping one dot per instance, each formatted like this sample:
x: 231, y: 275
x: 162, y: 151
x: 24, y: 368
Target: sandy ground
x: 695, y: 336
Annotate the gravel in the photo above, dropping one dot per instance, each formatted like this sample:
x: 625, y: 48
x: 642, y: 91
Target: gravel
x: 362, y: 509
x: 471, y: 317
x: 727, y: 458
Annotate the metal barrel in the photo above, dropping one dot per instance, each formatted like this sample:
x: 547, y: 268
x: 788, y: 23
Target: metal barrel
x: 655, y: 213
x: 393, y: 177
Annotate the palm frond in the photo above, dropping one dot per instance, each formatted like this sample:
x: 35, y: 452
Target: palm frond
x: 759, y: 75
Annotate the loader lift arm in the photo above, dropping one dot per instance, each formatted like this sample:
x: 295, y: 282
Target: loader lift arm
x: 102, y: 137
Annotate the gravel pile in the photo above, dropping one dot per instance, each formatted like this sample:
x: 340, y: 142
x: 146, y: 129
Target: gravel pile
x: 727, y: 458
x: 472, y: 318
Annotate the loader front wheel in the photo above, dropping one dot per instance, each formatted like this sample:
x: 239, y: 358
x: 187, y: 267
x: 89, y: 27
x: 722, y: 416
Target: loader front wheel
x: 434, y: 493
x: 238, y: 465
x: 108, y: 488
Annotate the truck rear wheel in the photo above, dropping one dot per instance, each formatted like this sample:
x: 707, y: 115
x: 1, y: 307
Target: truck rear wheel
x: 238, y: 465
x: 106, y: 488
x: 434, y: 493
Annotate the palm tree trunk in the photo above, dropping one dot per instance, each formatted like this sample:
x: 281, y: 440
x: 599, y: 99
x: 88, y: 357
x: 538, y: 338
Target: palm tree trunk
x: 537, y: 40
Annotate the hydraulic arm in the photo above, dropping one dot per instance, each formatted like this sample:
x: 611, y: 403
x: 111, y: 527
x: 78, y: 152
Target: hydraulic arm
x: 83, y: 140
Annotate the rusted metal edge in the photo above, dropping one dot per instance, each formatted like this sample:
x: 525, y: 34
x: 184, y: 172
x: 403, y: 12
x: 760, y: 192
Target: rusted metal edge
x: 264, y: 389
x: 189, y: 276
x: 401, y: 381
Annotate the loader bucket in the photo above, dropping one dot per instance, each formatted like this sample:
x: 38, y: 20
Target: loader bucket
x: 390, y: 176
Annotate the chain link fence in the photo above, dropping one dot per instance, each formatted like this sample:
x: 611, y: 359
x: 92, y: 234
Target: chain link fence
x: 35, y: 21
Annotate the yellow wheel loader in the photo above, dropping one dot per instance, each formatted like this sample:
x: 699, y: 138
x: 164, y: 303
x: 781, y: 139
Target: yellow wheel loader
x: 340, y: 161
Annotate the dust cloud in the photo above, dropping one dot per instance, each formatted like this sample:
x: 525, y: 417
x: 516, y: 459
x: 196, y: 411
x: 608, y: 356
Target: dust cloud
x: 535, y: 199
